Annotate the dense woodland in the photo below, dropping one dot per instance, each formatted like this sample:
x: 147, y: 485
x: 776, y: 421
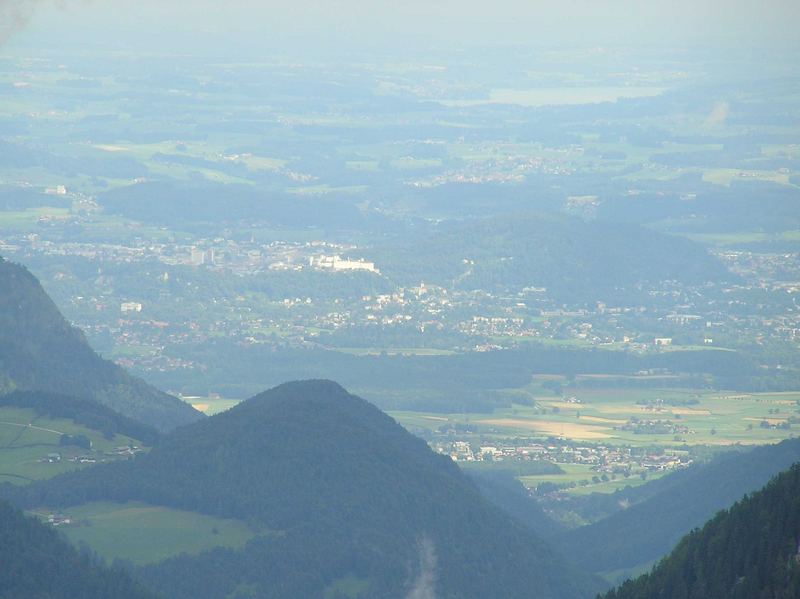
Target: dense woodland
x: 36, y: 563
x: 750, y: 551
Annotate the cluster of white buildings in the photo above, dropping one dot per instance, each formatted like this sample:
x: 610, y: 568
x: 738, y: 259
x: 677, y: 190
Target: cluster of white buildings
x: 337, y: 263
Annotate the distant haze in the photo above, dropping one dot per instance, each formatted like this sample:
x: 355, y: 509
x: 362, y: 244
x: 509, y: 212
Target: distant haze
x: 465, y: 22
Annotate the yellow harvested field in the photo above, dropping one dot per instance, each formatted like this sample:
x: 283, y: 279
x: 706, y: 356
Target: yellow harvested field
x: 557, y: 429
x: 600, y: 420
x: 110, y: 148
x: 689, y: 412
x: 202, y: 407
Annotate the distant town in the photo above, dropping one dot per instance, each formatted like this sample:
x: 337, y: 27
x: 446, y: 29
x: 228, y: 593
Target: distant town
x: 451, y: 319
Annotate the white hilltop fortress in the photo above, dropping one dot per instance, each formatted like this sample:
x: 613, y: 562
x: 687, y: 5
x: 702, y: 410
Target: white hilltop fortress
x: 337, y: 263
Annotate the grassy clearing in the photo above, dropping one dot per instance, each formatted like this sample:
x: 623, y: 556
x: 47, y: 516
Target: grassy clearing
x: 572, y: 473
x: 145, y: 534
x: 726, y: 176
x: 582, y: 475
x: 27, y: 219
x: 26, y: 440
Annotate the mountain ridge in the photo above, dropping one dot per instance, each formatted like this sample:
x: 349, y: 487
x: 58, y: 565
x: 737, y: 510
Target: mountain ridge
x: 40, y: 350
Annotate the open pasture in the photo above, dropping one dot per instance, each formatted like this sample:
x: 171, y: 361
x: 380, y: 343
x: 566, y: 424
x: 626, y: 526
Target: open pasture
x: 144, y: 534
x: 26, y: 440
x: 585, y: 480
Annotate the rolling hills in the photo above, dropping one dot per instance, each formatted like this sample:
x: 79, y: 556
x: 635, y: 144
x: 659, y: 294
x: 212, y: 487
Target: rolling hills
x: 40, y: 350
x: 342, y: 500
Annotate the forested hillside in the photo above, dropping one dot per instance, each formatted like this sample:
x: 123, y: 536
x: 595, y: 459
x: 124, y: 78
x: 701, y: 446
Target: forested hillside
x: 749, y: 551
x: 566, y: 255
x: 40, y: 350
x: 650, y: 527
x: 338, y: 492
x: 35, y: 563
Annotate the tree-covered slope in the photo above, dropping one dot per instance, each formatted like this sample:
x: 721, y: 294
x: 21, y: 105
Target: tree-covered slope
x: 36, y: 563
x: 506, y: 492
x: 40, y: 350
x: 81, y: 411
x: 339, y: 492
x: 650, y: 528
x: 575, y: 259
x: 751, y: 551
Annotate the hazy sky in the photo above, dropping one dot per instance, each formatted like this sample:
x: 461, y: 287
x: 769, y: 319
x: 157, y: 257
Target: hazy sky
x: 352, y: 22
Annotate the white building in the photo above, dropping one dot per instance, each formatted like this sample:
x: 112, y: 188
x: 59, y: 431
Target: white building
x: 126, y: 307
x: 337, y: 263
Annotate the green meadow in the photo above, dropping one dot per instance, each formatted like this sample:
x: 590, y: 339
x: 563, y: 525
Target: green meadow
x: 26, y: 440
x: 145, y: 534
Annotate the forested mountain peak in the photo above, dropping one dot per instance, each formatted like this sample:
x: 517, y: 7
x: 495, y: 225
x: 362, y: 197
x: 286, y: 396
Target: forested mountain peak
x: 324, y: 474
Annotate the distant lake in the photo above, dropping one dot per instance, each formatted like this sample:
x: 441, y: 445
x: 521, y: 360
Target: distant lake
x: 557, y: 96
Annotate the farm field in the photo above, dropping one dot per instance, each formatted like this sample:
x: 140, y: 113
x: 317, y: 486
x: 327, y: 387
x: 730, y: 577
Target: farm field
x: 582, y: 475
x: 144, y: 534
x: 626, y: 417
x: 209, y: 406
x: 656, y: 420
x: 26, y: 440
x: 24, y: 220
